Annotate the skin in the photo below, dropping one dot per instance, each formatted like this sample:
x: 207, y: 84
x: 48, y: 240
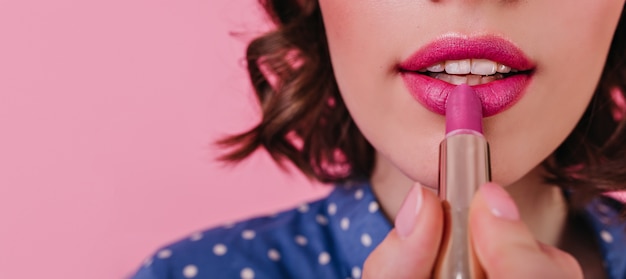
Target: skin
x: 368, y: 38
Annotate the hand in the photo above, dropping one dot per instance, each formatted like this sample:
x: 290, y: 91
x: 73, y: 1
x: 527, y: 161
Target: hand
x: 504, y: 245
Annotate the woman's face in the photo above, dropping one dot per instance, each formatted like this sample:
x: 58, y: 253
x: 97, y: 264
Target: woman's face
x: 565, y: 44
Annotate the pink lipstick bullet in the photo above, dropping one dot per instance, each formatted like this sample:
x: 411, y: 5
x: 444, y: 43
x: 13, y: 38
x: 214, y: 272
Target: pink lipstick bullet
x: 463, y: 168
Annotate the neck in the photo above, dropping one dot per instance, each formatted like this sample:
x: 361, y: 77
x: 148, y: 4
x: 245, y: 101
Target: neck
x: 542, y: 206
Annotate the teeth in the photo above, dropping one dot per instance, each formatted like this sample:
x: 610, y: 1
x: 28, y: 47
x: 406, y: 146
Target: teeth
x: 444, y: 77
x: 473, y: 80
x: 487, y: 79
x: 470, y: 80
x: 437, y: 68
x: 469, y: 71
x: 483, y: 67
x: 459, y: 67
x: 503, y: 69
x: 458, y: 80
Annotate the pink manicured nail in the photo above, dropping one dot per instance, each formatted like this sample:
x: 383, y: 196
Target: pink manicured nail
x: 499, y: 201
x: 407, y: 216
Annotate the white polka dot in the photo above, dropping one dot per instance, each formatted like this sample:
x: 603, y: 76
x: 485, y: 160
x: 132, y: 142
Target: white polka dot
x: 301, y: 240
x: 366, y: 240
x: 147, y: 262
x: 220, y: 249
x: 373, y: 207
x: 321, y: 220
x: 164, y: 254
x: 190, y: 271
x: 332, y: 209
x: 248, y: 234
x: 356, y: 272
x: 247, y: 273
x: 196, y: 236
x: 273, y: 255
x: 358, y: 194
x: 324, y: 258
x: 344, y: 223
x: 606, y: 236
x: 303, y: 208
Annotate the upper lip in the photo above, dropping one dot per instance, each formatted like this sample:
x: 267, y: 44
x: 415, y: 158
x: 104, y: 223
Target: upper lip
x: 454, y: 47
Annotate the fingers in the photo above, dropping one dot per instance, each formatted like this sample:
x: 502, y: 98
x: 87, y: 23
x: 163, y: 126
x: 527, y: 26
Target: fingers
x: 561, y: 259
x: 505, y: 246
x: 410, y: 249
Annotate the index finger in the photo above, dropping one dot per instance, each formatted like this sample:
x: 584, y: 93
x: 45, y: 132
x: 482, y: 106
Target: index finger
x: 410, y: 249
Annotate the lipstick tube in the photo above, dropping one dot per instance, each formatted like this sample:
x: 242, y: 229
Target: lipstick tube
x: 463, y: 167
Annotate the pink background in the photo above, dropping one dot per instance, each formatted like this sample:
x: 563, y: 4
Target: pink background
x: 107, y: 110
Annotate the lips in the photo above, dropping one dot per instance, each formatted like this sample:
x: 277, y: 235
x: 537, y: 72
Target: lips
x: 496, y: 95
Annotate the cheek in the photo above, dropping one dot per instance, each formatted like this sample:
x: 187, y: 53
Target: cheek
x: 571, y: 51
x: 366, y: 32
x: 344, y: 20
x: 578, y: 43
x: 365, y: 44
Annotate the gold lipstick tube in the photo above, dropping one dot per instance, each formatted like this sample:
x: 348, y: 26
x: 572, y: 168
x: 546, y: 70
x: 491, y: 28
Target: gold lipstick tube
x: 463, y: 167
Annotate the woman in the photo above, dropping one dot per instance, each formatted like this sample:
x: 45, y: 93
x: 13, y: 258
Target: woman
x: 353, y: 93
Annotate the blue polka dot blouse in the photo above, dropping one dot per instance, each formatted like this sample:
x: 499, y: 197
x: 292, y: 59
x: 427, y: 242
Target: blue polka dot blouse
x: 329, y: 238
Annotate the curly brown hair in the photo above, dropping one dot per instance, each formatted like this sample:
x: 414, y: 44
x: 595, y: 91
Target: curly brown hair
x: 305, y: 121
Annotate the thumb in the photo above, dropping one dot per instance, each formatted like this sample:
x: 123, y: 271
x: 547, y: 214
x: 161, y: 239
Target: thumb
x: 410, y: 249
x: 505, y: 246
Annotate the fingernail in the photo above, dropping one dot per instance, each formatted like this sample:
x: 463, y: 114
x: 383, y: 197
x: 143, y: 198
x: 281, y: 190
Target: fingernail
x: 499, y: 201
x: 407, y: 216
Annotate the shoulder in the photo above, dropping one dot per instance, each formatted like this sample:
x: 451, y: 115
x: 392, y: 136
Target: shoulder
x: 255, y: 248
x: 606, y: 219
x: 605, y: 214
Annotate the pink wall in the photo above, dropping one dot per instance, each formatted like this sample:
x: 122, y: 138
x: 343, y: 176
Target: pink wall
x: 106, y: 112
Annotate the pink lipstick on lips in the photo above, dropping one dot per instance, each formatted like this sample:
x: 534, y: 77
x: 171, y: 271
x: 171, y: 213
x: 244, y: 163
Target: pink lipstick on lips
x: 463, y: 167
x: 430, y: 84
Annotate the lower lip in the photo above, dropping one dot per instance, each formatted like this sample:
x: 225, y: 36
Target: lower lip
x: 496, y: 96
